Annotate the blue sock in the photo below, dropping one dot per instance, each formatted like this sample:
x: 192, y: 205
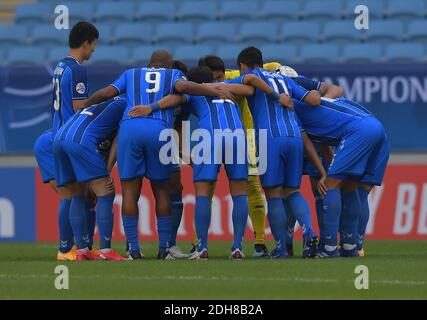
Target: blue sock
x: 240, y: 219
x: 177, y: 206
x: 363, y: 218
x: 331, y: 216
x: 319, y: 213
x: 78, y: 221
x: 350, y: 216
x: 301, y: 211
x: 164, y: 226
x: 130, y: 224
x: 91, y: 221
x: 290, y: 223
x: 66, y: 236
x: 202, y: 220
x: 277, y: 220
x: 105, y: 220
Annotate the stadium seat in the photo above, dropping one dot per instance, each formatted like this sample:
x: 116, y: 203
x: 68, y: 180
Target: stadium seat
x: 283, y: 53
x: 133, y: 34
x: 173, y: 34
x: 197, y: 11
x: 54, y: 55
x: 105, y: 33
x: 141, y: 54
x: 216, y: 33
x: 362, y: 53
x: 319, y: 53
x: 191, y: 54
x: 384, y: 32
x: 48, y: 36
x: 300, y: 32
x: 30, y: 14
x: 115, y: 12
x: 13, y: 36
x: 229, y: 52
x: 376, y: 8
x: 406, y: 10
x: 110, y: 55
x: 322, y: 10
x: 2, y: 56
x: 80, y: 11
x: 156, y: 12
x: 258, y: 33
x: 417, y: 31
x: 341, y: 32
x: 280, y: 11
x: 405, y: 52
x: 26, y: 56
x: 239, y: 11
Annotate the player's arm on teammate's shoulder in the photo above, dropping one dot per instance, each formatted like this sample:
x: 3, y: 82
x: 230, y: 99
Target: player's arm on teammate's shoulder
x: 311, y: 153
x: 166, y: 102
x: 100, y: 96
x: 303, y: 94
x: 330, y: 90
x: 234, y: 88
x: 196, y: 89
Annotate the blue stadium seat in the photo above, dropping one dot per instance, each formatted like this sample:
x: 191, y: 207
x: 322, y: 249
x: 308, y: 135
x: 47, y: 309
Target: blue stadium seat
x: 141, y: 54
x: 319, y: 53
x: 133, y: 34
x: 115, y: 12
x: 197, y: 11
x: 239, y: 11
x: 229, y: 52
x: 173, y: 34
x: 13, y: 36
x: 2, y: 56
x: 417, y: 31
x: 322, y: 10
x: 405, y: 52
x: 406, y: 10
x: 280, y: 11
x: 300, y: 32
x: 216, y: 33
x: 105, y: 33
x: 156, y: 12
x: 48, y: 36
x: 31, y: 14
x: 191, y: 54
x: 258, y: 33
x: 341, y: 32
x: 55, y: 55
x: 80, y: 11
x: 376, y: 8
x: 283, y: 53
x: 362, y: 53
x: 384, y: 32
x: 26, y: 56
x: 104, y: 55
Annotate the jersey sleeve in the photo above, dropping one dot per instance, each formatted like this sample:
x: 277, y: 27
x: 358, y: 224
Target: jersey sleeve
x: 79, y: 83
x: 176, y: 76
x: 298, y: 92
x: 308, y: 83
x: 121, y: 83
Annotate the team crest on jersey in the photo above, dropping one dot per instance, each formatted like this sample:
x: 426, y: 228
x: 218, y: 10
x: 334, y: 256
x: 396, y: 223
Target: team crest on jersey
x: 80, y: 88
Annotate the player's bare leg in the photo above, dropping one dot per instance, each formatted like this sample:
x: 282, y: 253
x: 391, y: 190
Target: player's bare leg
x: 240, y: 216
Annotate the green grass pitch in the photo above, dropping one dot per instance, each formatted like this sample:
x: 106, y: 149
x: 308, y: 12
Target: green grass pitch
x: 397, y: 270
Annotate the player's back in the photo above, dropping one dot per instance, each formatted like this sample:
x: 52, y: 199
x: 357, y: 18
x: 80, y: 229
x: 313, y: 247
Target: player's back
x: 267, y: 112
x: 94, y: 124
x: 69, y: 83
x: 144, y: 86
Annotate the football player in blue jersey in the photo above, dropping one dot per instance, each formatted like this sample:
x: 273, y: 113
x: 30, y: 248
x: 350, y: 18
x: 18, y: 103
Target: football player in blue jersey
x: 80, y: 161
x: 285, y: 149
x: 139, y: 142
x: 70, y: 88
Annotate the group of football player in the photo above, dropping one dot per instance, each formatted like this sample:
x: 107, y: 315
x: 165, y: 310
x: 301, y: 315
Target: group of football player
x: 304, y: 126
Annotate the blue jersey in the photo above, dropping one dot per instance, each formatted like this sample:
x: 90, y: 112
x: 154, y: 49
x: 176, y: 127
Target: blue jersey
x: 213, y: 113
x: 147, y: 85
x: 69, y: 83
x: 330, y: 121
x: 307, y: 83
x: 266, y: 111
x: 94, y: 124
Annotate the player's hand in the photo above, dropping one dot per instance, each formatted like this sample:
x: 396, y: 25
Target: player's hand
x: 110, y: 184
x: 140, y: 111
x: 321, y: 186
x: 286, y: 101
x: 226, y: 95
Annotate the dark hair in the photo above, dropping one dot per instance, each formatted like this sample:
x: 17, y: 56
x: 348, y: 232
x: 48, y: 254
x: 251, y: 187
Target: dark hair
x: 250, y: 56
x: 214, y: 63
x: 81, y: 32
x: 200, y: 75
x: 180, y: 66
